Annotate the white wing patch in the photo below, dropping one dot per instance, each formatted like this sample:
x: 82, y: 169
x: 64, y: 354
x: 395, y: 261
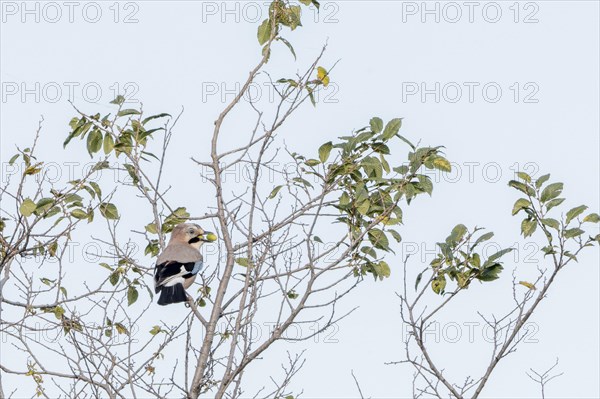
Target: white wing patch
x: 171, y: 281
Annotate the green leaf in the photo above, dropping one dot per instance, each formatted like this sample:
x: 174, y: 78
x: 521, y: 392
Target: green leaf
x: 592, y: 218
x: 132, y: 295
x: 376, y: 124
x: 97, y: 189
x: 109, y: 211
x: 125, y: 112
x: 498, y: 255
x: 378, y: 239
x: 396, y: 235
x: 72, y: 198
x: 458, y: 232
x: 476, y: 261
x: 105, y: 265
x: 155, y: 117
x: 151, y: 228
x: 118, y: 100
x: 528, y: 227
x: 418, y: 281
x: 52, y: 212
x: 132, y: 173
x: 392, y: 128
x: 109, y: 143
x: 43, y: 205
x: 363, y: 208
x: 524, y: 176
x: 47, y: 281
x: 551, y: 223
x: 324, y: 151
x: 264, y: 32
x: 490, y: 273
x: 79, y: 213
x: 551, y: 191
x: 27, y: 207
x: 524, y: 188
x: 555, y: 202
x: 382, y: 269
x: 94, y: 142
x: 426, y: 184
x: 311, y: 95
x: 482, y: 238
x: 114, y: 278
x: 520, y: 204
x: 344, y: 199
x: 541, y: 180
x: 274, y: 192
x: 570, y: 233
x: 242, y: 262
x: 573, y: 213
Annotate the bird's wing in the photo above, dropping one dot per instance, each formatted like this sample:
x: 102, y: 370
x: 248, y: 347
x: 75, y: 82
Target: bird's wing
x: 172, y: 272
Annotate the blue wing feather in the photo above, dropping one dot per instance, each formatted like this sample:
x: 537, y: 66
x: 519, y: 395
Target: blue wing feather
x: 197, y: 267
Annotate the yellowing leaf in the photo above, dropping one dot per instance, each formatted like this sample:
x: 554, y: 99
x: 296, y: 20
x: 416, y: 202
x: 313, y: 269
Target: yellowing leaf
x: 323, y: 76
x: 121, y: 329
x: 528, y: 285
x: 442, y: 164
x: 155, y: 330
x: 27, y: 207
x: 592, y: 218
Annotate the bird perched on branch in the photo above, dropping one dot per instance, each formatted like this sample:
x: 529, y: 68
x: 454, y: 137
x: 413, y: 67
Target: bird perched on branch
x: 177, y: 266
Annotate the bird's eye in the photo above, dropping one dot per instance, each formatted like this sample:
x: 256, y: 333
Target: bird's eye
x: 191, y: 231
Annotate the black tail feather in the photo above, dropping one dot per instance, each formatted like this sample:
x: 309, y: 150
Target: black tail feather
x: 173, y: 294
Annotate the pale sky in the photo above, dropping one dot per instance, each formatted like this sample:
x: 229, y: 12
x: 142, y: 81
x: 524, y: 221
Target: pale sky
x: 505, y: 86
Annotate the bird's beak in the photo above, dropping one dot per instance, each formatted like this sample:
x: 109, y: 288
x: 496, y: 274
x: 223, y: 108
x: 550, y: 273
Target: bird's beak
x: 207, y: 236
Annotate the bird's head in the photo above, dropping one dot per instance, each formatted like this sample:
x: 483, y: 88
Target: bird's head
x: 191, y: 234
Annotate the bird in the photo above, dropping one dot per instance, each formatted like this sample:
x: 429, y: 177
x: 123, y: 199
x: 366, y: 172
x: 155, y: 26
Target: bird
x: 177, y: 266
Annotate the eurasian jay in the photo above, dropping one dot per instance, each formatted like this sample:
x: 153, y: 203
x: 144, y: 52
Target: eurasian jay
x: 177, y: 266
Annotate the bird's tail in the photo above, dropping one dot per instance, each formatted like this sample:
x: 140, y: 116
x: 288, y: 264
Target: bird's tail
x: 173, y: 294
